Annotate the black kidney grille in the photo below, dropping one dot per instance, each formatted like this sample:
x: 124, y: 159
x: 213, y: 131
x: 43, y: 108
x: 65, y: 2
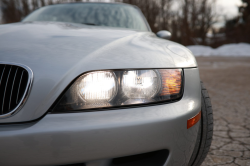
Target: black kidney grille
x: 13, y: 85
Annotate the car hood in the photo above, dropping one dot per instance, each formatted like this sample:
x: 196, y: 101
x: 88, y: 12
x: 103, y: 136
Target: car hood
x: 59, y: 52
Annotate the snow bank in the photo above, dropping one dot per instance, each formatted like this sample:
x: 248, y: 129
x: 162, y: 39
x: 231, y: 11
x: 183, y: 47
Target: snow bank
x: 241, y: 49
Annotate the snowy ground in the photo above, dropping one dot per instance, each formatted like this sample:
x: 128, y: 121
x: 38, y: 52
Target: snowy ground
x: 241, y: 49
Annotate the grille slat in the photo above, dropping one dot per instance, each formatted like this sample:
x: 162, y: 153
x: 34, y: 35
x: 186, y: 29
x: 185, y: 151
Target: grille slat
x: 15, y: 88
x: 2, y: 72
x: 2, y: 86
x: 19, y: 87
x: 2, y: 69
x: 5, y: 89
x: 15, y: 82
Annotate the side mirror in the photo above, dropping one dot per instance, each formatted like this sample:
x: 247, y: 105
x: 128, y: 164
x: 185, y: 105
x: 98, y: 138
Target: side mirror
x: 164, y: 34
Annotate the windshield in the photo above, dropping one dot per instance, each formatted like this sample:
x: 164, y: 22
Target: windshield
x: 99, y: 14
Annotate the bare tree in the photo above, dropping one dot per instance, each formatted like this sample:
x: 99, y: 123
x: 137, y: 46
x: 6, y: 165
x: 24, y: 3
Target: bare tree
x: 150, y: 9
x: 10, y: 12
x: 196, y: 18
x: 207, y: 18
x: 238, y: 29
x: 166, y: 14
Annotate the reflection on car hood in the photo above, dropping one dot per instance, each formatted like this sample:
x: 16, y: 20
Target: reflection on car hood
x: 66, y: 44
x: 59, y: 52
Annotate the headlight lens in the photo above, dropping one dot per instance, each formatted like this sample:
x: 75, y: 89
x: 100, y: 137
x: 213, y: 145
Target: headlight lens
x: 97, y: 86
x: 137, y: 84
x: 101, y: 89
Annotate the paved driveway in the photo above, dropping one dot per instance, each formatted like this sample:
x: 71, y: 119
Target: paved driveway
x: 228, y: 84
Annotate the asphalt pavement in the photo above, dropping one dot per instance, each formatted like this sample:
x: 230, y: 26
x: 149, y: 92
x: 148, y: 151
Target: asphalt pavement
x: 228, y: 82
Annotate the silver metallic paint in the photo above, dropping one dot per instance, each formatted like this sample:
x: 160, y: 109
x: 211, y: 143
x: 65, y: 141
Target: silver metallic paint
x: 59, y: 52
x: 164, y: 34
x: 95, y: 136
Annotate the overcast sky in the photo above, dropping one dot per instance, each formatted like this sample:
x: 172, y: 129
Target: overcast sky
x: 228, y: 7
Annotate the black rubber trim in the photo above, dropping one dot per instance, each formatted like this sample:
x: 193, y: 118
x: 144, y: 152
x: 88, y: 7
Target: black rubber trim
x: 205, y: 133
x: 25, y: 122
x: 156, y: 158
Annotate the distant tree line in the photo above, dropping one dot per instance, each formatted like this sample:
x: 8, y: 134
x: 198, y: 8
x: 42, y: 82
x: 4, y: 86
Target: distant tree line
x: 238, y: 28
x: 189, y: 21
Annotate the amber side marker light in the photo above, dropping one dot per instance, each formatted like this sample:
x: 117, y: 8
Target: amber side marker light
x: 191, y: 122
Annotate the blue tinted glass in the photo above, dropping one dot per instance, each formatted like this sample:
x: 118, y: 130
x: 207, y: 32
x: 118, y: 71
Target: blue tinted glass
x: 100, y: 14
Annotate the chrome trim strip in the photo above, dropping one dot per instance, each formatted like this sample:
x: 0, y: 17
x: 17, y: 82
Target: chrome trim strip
x: 26, y: 92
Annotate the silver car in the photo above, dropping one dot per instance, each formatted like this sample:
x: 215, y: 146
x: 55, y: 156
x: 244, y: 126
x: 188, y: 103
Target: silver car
x: 90, y: 84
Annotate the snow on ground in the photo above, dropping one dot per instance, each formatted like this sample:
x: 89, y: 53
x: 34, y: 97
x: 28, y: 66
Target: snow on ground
x: 241, y: 49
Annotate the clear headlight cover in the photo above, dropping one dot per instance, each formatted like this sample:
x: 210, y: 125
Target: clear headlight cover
x: 137, y: 84
x: 101, y: 89
x: 97, y: 87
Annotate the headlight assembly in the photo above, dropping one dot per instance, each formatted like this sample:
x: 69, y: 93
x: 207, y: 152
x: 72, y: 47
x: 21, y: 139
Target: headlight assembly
x: 116, y: 88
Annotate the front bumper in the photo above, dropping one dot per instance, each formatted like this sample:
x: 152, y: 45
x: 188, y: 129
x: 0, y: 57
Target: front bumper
x: 89, y: 137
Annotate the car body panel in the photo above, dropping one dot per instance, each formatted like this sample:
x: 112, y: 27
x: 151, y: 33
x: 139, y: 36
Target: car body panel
x: 57, y: 53
x: 81, y: 137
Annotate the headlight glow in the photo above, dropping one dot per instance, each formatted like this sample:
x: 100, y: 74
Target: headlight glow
x: 140, y: 83
x: 97, y: 86
x: 102, y: 89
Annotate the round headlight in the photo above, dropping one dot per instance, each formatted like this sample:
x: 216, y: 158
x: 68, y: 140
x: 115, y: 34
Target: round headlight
x: 140, y: 84
x: 97, y: 86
